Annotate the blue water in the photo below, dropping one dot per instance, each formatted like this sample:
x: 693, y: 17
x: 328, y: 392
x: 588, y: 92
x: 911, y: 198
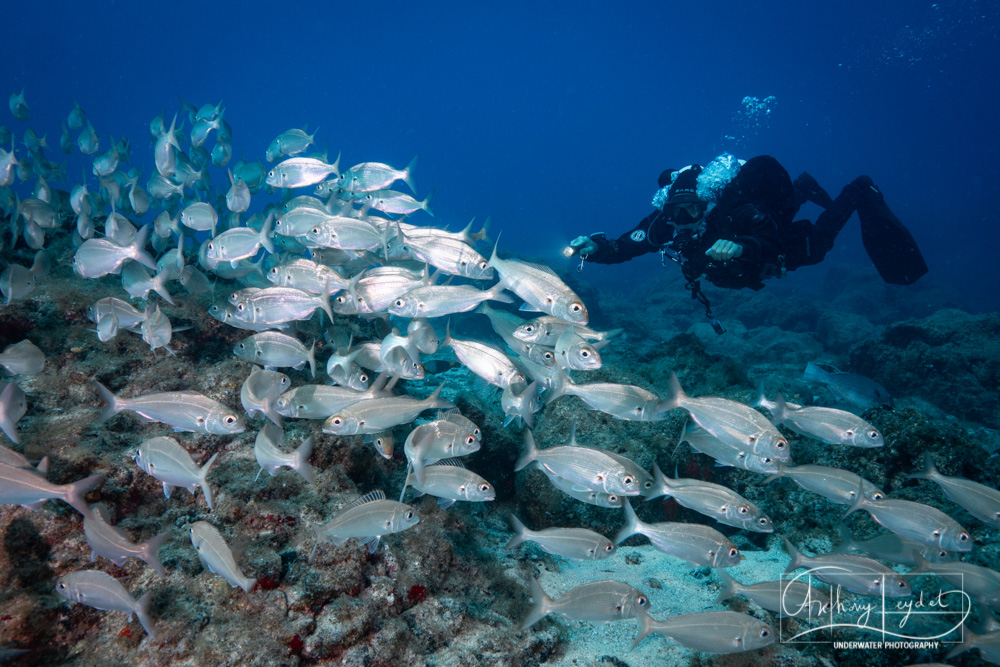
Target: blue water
x: 556, y: 120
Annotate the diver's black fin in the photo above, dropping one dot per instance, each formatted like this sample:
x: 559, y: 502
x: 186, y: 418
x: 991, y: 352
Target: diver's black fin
x: 891, y: 247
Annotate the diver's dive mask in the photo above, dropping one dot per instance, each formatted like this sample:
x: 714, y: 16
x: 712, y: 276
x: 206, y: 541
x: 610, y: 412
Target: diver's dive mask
x: 687, y: 214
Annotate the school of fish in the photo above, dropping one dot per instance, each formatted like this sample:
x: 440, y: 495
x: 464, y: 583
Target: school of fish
x: 307, y: 238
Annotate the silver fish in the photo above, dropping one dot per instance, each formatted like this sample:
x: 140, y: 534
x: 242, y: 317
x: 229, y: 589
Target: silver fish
x: 374, y: 290
x: 828, y: 425
x: 452, y: 256
x: 623, y: 401
x: 319, y: 401
x: 977, y: 499
x: 724, y: 454
x: 102, y: 591
x: 448, y: 480
x: 435, y: 441
x: 200, y: 216
x: 261, y: 391
x: 540, y: 288
x: 572, y: 489
x: 166, y: 461
x: 836, y: 485
x: 598, y: 602
x: 18, y: 106
x: 572, y: 543
x: 371, y: 176
x: 112, y: 543
x: 855, y: 389
x: 299, y: 172
x: 165, y: 151
x: 987, y: 643
x: 215, y: 555
x: 22, y: 358
x: 854, y: 573
x: 485, y: 360
x: 711, y: 631
x: 270, y: 457
x: 379, y: 414
x: 99, y: 257
x: 137, y: 281
x: 275, y: 305
x: 980, y: 583
x: 368, y: 518
x: 697, y: 545
x: 441, y: 300
x: 272, y: 349
x: 521, y: 405
x: 307, y: 276
x: 890, y: 547
x: 19, y: 486
x: 588, y: 469
x: 732, y: 422
x: 713, y: 500
x: 156, y: 329
x: 785, y: 597
x: 391, y: 201
x: 240, y: 243
x: 289, y: 142
x: 915, y: 521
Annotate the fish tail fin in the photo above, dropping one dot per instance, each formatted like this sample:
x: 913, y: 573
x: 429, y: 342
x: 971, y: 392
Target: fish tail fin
x: 779, y: 411
x: 112, y: 403
x: 142, y: 613
x: 302, y: 465
x: 336, y: 164
x: 319, y: 538
x: 728, y: 588
x: 203, y: 480
x: 408, y: 174
x: 632, y: 523
x: 920, y: 564
x: 661, y: 485
x: 493, y: 257
x: 418, y: 470
x: 847, y: 544
x: 435, y: 400
x: 645, y: 627
x: 324, y: 300
x: 426, y: 203
x: 265, y: 234
x: 140, y: 255
x: 74, y: 493
x: 859, y: 501
x: 160, y: 287
x: 559, y: 386
x: 542, y: 607
x: 530, y: 451
x: 761, y: 400
x: 248, y: 583
x: 969, y: 642
x: 147, y: 552
x: 675, y: 396
x: 795, y: 554
x: 929, y: 471
x: 410, y: 476
x: 519, y: 532
x: 311, y: 358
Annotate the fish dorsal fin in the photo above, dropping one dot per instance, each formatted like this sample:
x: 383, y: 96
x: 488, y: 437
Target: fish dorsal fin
x: 371, y: 497
x: 541, y: 267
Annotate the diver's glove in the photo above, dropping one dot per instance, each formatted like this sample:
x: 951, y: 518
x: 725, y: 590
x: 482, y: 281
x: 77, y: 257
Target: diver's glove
x: 722, y: 250
x: 583, y: 245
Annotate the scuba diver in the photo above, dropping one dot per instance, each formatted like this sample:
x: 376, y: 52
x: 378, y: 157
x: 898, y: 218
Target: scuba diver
x: 733, y: 223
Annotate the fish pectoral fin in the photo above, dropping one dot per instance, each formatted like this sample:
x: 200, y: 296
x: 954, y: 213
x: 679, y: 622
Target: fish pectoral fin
x: 167, y: 489
x: 581, y: 489
x: 372, y: 543
x: 445, y: 503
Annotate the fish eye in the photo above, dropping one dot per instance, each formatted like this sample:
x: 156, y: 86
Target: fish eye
x: 613, y: 498
x: 363, y: 377
x: 211, y: 246
x: 484, y: 487
x: 734, y: 552
x: 336, y: 421
x: 399, y: 303
x: 62, y: 587
x: 781, y: 444
x: 470, y: 440
x: 575, y: 307
x: 763, y: 521
x: 878, y: 495
x: 743, y: 509
x: 765, y: 633
x: 963, y: 537
x: 641, y: 601
x: 648, y: 484
x: 609, y: 547
x: 548, y: 356
x: 901, y: 584
x: 242, y: 346
x: 584, y: 353
x: 628, y: 480
x: 240, y: 307
x: 270, y: 174
x: 873, y: 435
x: 230, y: 420
x: 409, y: 515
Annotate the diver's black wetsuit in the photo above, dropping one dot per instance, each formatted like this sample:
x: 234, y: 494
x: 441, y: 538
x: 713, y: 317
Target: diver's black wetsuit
x: 756, y: 210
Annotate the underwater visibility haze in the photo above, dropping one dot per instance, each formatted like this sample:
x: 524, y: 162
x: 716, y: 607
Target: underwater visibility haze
x: 313, y: 351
